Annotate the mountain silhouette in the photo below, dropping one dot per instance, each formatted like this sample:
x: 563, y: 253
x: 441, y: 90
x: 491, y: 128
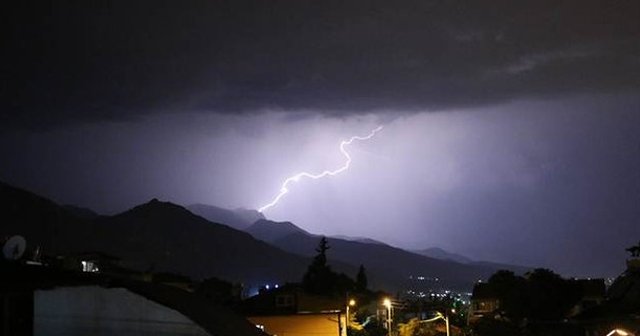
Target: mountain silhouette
x: 387, y: 266
x: 438, y: 253
x: 386, y: 263
x: 156, y: 236
x: 165, y: 237
x: 359, y: 239
x: 238, y: 219
x: 80, y: 212
x: 176, y: 240
x: 270, y: 231
x: 40, y: 221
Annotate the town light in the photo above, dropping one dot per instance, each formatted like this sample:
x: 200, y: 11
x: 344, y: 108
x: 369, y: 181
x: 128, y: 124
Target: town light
x: 387, y: 303
x: 351, y: 303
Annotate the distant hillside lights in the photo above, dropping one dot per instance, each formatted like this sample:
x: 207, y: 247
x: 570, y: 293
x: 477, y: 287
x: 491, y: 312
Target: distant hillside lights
x: 423, y: 278
x: 89, y: 266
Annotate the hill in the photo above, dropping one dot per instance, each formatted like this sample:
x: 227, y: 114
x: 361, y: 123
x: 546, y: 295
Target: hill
x: 438, y: 253
x: 270, y: 231
x: 43, y: 223
x: 391, y: 267
x: 168, y: 237
x: 80, y: 212
x: 359, y: 239
x: 387, y: 266
x: 156, y: 236
x: 239, y: 219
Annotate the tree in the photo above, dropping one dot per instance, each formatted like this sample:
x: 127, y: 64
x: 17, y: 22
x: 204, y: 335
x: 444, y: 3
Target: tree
x: 634, y: 250
x: 550, y: 296
x: 512, y: 293
x: 321, y: 280
x: 319, y: 277
x: 540, y: 295
x: 361, y: 279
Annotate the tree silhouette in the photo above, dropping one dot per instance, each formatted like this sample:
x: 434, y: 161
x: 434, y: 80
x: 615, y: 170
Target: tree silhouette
x: 320, y: 279
x: 361, y: 279
x: 319, y: 276
x: 634, y: 250
x: 512, y: 293
x: 541, y: 294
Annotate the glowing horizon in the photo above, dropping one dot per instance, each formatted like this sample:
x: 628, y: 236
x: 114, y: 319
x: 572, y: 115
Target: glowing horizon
x: 284, y: 189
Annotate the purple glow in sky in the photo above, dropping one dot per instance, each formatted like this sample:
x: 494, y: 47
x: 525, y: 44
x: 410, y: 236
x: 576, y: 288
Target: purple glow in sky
x: 525, y: 182
x: 511, y: 131
x: 284, y: 189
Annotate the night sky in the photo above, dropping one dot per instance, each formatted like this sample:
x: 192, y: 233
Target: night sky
x: 511, y: 128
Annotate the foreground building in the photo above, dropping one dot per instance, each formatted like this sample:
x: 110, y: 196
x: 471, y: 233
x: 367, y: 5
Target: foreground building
x: 38, y: 300
x: 289, y: 311
x: 621, y: 310
x: 484, y: 302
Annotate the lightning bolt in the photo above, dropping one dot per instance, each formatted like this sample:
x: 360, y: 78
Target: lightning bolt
x: 284, y: 189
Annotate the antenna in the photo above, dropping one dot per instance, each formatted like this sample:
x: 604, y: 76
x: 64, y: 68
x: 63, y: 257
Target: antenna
x: 14, y: 248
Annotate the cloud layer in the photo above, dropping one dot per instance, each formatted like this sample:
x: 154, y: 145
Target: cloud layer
x: 115, y: 60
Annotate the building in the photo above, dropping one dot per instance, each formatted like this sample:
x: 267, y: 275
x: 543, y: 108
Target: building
x: 289, y: 311
x: 39, y: 300
x: 484, y: 301
x: 593, y: 294
x: 620, y: 310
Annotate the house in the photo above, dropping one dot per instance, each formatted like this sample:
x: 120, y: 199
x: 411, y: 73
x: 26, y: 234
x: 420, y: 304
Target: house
x: 620, y: 310
x: 88, y: 262
x: 593, y: 292
x: 484, y: 301
x: 290, y: 311
x: 40, y: 300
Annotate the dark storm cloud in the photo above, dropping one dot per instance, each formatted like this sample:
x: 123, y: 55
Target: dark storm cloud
x: 90, y: 60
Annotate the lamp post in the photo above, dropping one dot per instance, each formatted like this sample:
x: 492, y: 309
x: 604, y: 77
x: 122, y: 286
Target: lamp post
x: 387, y: 303
x: 439, y: 315
x: 446, y: 320
x: 351, y: 303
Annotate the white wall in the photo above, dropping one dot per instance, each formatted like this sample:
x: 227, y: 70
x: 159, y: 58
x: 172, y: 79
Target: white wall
x: 97, y: 311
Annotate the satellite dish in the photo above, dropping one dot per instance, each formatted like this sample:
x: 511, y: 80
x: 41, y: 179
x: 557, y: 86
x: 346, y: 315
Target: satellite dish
x: 14, y: 248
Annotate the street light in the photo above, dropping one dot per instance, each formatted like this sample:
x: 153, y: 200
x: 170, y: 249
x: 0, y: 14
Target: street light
x: 387, y: 303
x: 619, y: 332
x: 439, y: 315
x: 351, y: 303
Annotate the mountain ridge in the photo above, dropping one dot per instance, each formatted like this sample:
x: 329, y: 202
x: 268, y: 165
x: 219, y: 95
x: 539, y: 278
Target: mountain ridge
x: 239, y: 219
x: 163, y: 236
x: 154, y: 236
